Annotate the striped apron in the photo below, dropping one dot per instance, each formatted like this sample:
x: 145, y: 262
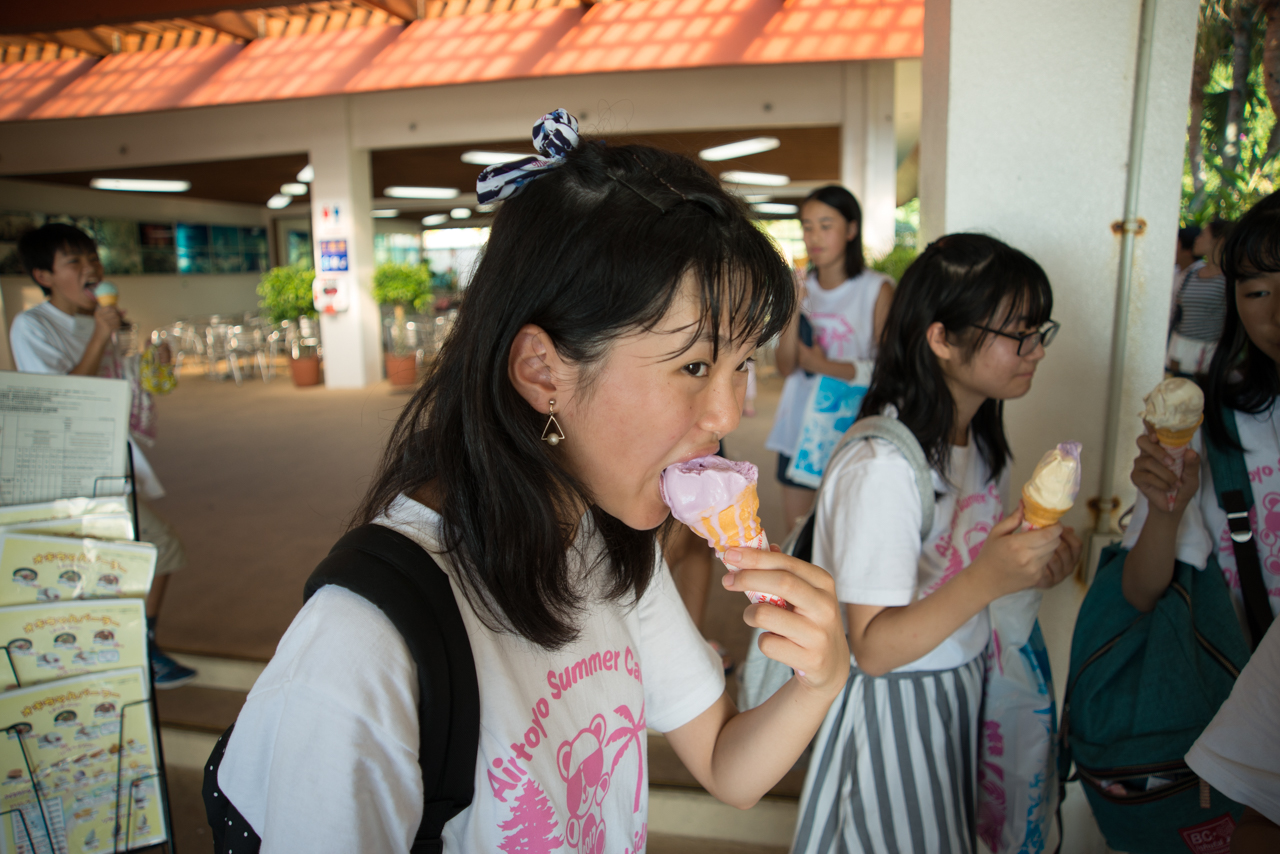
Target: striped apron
x: 894, y: 767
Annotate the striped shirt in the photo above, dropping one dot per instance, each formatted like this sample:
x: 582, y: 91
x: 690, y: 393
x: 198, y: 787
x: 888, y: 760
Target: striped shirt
x: 1203, y: 304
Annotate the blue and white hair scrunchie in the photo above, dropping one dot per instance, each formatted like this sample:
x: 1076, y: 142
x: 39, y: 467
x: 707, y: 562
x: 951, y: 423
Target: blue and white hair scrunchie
x: 555, y: 135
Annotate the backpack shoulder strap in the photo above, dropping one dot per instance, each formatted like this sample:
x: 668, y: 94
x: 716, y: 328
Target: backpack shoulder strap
x: 800, y: 542
x: 900, y: 436
x: 407, y: 585
x: 1235, y: 497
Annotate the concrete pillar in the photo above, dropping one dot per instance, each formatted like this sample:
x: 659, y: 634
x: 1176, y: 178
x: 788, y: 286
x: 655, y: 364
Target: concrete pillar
x: 1026, y: 125
x: 341, y: 210
x: 868, y: 158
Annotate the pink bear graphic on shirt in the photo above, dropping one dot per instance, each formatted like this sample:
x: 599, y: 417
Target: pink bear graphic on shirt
x: 580, y: 761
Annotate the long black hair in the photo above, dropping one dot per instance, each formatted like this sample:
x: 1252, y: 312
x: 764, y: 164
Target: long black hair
x: 1241, y: 376
x: 589, y: 252
x: 961, y: 281
x: 833, y: 195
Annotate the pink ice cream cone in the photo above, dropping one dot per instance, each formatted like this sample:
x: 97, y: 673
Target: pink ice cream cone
x: 717, y: 499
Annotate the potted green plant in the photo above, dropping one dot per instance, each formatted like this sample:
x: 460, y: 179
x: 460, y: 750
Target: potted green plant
x: 286, y: 298
x: 403, y: 287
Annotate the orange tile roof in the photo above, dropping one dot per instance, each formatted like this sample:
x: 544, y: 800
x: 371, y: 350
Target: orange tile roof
x: 817, y: 30
x: 634, y: 35
x: 294, y: 66
x: 467, y: 48
x: 138, y: 82
x: 24, y: 86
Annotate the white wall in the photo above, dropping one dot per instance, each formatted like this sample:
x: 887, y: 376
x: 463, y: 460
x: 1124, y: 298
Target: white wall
x: 1026, y: 126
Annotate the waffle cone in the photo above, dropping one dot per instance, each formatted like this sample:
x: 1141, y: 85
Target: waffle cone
x: 1177, y: 438
x: 108, y: 299
x: 1039, y: 516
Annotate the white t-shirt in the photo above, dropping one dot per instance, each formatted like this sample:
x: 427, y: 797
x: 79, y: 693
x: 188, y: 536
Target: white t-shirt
x: 1239, y: 752
x: 1203, y: 529
x: 867, y: 535
x: 47, y: 340
x: 324, y: 756
x: 843, y: 321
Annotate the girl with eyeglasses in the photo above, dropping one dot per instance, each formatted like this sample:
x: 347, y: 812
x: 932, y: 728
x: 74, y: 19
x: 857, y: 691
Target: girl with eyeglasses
x: 895, y: 764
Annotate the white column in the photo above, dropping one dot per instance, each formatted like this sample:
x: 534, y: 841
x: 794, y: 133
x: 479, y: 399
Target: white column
x: 352, y: 343
x: 1027, y: 117
x: 868, y: 156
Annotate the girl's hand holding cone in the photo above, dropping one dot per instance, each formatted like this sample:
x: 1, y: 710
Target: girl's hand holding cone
x: 1168, y: 483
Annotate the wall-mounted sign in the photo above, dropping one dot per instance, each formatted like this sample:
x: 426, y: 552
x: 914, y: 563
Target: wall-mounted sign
x: 333, y: 256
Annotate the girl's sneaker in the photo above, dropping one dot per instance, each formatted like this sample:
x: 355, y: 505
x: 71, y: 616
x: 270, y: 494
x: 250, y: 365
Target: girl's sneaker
x: 168, y: 673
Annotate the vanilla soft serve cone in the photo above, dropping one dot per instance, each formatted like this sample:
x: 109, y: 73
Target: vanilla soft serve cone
x: 717, y: 498
x: 1174, y: 410
x: 1052, y: 488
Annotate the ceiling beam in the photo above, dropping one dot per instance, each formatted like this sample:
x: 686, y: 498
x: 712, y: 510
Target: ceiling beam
x: 85, y: 40
x: 235, y: 24
x: 402, y: 9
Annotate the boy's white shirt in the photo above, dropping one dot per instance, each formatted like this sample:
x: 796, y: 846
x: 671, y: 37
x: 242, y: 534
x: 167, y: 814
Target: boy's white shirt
x: 867, y: 535
x: 324, y: 755
x: 47, y: 340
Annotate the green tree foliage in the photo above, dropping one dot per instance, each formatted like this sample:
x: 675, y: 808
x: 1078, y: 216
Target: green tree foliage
x: 402, y: 284
x: 286, y: 293
x: 1233, y: 143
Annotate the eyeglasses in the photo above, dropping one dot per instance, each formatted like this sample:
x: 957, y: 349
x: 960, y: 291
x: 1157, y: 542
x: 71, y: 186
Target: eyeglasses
x: 1029, y: 341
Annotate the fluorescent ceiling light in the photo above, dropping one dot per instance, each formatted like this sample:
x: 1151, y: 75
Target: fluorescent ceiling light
x: 435, y: 219
x: 754, y: 199
x: 740, y: 149
x: 775, y: 208
x: 489, y: 208
x: 761, y: 179
x: 386, y: 213
x: 308, y: 174
x: 460, y: 213
x: 278, y: 201
x: 293, y: 189
x: 421, y: 192
x: 491, y: 158
x: 140, y: 185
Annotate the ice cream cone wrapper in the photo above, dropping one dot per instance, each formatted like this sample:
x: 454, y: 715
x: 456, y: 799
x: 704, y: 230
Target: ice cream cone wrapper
x: 734, y: 526
x: 1035, y: 516
x: 108, y: 299
x: 1175, y: 444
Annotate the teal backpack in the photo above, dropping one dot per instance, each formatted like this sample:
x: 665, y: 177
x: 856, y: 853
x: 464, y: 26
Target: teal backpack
x: 1142, y: 687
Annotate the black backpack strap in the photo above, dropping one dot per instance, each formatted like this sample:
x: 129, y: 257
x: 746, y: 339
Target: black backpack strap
x: 407, y: 585
x: 1235, y: 497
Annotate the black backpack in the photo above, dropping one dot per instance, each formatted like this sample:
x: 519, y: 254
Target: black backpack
x: 398, y: 576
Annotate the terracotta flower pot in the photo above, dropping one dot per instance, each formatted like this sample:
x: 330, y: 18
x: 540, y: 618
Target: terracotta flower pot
x: 305, y: 371
x: 402, y: 370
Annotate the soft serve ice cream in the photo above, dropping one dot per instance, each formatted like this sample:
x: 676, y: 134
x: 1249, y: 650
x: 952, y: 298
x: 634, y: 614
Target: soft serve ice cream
x: 106, y: 293
x: 1174, y: 410
x: 1053, y: 486
x: 717, y: 498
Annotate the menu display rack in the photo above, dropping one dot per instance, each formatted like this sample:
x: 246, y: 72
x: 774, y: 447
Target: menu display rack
x: 44, y: 827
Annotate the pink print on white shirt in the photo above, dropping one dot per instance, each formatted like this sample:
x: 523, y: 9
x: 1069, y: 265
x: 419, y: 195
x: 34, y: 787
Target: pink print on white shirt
x: 974, y: 516
x: 834, y: 334
x: 587, y: 764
